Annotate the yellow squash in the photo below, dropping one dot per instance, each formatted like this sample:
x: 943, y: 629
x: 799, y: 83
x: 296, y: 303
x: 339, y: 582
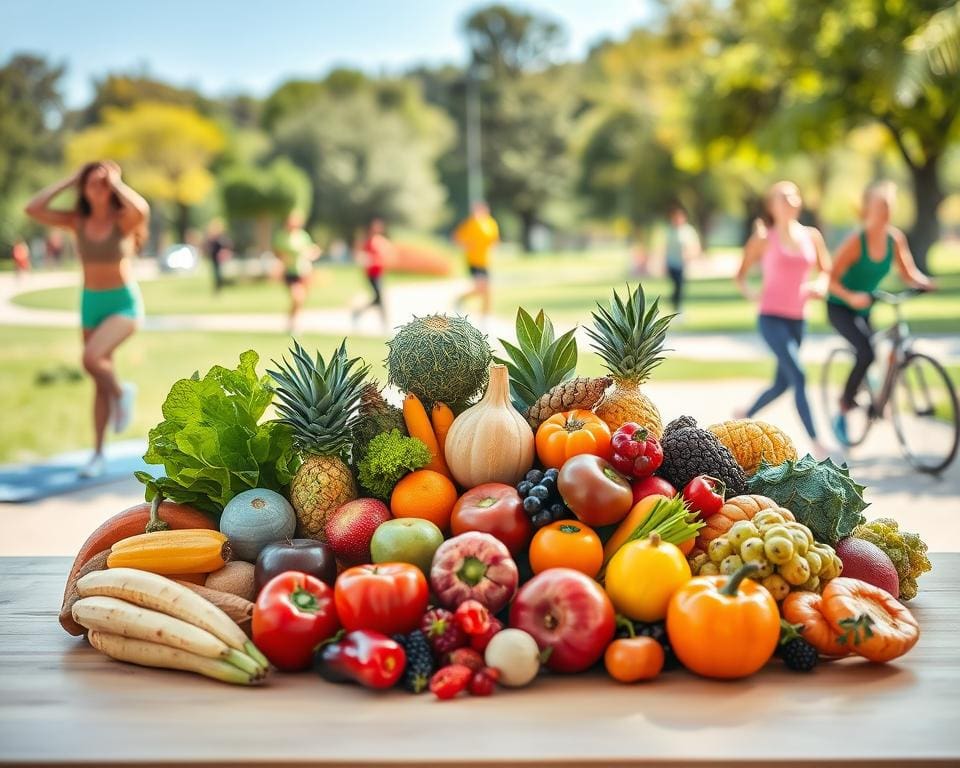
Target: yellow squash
x: 191, y: 550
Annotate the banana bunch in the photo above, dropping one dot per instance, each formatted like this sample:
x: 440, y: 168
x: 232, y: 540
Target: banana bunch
x: 147, y: 619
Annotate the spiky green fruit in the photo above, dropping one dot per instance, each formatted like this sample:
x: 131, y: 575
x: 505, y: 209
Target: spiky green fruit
x: 820, y: 494
x: 374, y: 416
x: 439, y: 358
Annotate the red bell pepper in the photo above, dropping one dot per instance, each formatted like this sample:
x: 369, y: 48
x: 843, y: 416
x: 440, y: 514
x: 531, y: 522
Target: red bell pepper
x: 294, y: 612
x: 369, y: 658
x: 704, y: 494
x: 389, y: 598
x: 636, y: 453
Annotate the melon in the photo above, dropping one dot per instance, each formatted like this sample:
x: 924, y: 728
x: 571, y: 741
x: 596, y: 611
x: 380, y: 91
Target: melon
x: 255, y: 518
x: 867, y: 562
x: 439, y: 358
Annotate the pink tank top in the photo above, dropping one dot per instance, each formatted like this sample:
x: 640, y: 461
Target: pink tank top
x: 784, y: 275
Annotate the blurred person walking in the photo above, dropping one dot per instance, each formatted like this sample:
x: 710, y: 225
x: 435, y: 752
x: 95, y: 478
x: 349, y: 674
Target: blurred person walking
x: 862, y: 261
x: 20, y: 253
x: 218, y: 248
x: 477, y: 235
x: 787, y: 253
x: 296, y: 251
x: 109, y: 223
x: 372, y: 255
x: 682, y: 246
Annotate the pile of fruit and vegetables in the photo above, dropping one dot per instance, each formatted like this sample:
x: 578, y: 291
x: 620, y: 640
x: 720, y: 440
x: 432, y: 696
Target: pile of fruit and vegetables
x: 506, y: 519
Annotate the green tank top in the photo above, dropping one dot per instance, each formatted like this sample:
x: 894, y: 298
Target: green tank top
x: 865, y: 274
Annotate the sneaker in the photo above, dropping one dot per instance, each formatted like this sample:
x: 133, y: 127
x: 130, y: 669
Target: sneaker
x: 93, y: 468
x: 840, y: 429
x: 123, y: 407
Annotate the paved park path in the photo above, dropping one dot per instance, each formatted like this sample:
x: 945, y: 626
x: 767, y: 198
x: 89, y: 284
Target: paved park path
x: 928, y: 505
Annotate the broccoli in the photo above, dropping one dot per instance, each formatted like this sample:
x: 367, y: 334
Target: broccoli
x: 388, y: 457
x: 907, y: 551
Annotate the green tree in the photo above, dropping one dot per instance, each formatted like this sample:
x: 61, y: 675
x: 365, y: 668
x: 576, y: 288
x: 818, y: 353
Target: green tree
x: 263, y: 195
x: 165, y: 151
x: 125, y: 91
x: 804, y: 74
x: 369, y: 152
x: 31, y: 111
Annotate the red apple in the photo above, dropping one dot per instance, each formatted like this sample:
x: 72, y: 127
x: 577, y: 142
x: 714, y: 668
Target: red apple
x: 568, y: 613
x: 350, y: 528
x: 650, y: 486
x: 493, y: 508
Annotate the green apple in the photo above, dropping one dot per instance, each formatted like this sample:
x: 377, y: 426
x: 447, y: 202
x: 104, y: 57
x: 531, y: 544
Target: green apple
x: 406, y: 540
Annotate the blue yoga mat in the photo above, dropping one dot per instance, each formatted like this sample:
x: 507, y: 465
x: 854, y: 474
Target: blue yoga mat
x: 32, y: 482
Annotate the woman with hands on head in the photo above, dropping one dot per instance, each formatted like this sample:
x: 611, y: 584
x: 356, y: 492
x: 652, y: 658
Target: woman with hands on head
x: 109, y: 222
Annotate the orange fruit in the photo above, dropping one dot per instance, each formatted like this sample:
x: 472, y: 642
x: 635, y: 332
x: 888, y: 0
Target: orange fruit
x: 566, y: 544
x: 425, y: 494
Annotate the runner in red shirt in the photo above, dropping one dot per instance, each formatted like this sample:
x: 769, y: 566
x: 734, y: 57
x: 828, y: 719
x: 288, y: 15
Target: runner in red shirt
x: 373, y: 254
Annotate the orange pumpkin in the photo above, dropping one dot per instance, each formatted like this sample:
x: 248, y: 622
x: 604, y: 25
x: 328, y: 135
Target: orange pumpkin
x: 723, y: 626
x: 744, y: 507
x: 569, y: 434
x: 806, y: 609
x: 869, y: 620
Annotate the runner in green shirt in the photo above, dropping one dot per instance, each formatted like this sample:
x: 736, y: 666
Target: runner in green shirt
x: 296, y: 252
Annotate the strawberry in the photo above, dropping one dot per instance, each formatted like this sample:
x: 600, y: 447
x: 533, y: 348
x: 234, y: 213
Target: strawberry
x: 467, y: 657
x: 448, y: 681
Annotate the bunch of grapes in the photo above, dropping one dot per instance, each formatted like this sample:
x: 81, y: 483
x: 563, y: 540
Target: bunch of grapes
x: 541, y: 499
x: 785, y: 551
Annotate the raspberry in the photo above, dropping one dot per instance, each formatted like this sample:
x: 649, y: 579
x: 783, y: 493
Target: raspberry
x: 442, y: 631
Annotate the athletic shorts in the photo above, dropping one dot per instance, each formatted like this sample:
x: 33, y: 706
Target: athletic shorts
x: 479, y: 272
x: 97, y: 306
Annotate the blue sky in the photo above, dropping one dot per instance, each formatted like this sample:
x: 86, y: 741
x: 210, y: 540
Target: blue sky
x: 221, y: 46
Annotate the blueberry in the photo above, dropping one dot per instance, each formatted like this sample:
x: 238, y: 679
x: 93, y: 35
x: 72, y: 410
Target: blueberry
x: 534, y: 476
x: 541, y: 519
x: 541, y: 492
x: 532, y: 505
x: 550, y: 483
x: 523, y: 487
x: 552, y: 473
x: 559, y: 511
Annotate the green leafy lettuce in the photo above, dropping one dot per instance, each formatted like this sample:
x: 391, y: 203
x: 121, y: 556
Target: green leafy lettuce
x: 211, y: 444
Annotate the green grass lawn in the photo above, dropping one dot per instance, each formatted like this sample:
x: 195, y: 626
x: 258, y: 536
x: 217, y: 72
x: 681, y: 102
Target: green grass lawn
x: 566, y: 285
x: 333, y: 285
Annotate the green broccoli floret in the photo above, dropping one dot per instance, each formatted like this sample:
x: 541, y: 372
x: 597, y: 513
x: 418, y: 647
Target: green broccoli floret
x: 390, y: 456
x: 907, y: 551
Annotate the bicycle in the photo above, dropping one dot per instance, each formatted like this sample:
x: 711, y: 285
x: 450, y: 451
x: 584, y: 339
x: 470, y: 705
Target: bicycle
x: 922, y: 398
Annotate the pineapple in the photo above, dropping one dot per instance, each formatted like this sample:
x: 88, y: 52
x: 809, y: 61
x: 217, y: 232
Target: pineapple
x: 319, y: 401
x: 750, y: 441
x: 541, y: 366
x: 629, y: 337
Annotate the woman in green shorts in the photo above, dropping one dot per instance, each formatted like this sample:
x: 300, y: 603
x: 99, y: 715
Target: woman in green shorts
x: 109, y: 222
x: 860, y: 264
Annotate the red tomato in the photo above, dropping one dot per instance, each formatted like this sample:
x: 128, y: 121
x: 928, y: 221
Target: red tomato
x: 389, y: 597
x: 293, y: 613
x: 493, y: 508
x: 651, y: 486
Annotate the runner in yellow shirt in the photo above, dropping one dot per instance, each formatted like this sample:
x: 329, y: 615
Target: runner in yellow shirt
x: 478, y: 233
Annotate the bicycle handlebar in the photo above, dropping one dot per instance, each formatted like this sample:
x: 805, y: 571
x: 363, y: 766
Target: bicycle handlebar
x: 896, y: 298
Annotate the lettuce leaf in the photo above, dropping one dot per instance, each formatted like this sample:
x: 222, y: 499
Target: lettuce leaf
x: 211, y: 444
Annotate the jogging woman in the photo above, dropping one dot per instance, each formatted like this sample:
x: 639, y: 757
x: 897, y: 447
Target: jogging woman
x: 373, y: 254
x: 296, y: 252
x: 862, y: 262
x: 109, y: 222
x: 787, y: 253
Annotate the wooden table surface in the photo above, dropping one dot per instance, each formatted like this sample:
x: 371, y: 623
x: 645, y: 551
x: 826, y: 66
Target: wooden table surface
x: 63, y: 703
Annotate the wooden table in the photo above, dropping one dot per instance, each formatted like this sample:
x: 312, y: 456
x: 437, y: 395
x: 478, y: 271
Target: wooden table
x: 62, y: 703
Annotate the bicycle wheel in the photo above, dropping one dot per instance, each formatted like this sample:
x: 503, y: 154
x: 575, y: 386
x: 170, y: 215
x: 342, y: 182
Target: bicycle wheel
x: 926, y: 416
x: 835, y: 373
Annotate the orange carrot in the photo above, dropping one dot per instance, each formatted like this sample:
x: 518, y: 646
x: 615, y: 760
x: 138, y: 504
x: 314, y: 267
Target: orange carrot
x: 442, y: 418
x: 418, y: 425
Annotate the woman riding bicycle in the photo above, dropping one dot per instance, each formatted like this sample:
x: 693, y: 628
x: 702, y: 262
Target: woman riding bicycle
x: 861, y: 263
x: 787, y: 252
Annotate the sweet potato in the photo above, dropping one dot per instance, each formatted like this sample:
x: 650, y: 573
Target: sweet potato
x: 238, y: 609
x: 96, y: 563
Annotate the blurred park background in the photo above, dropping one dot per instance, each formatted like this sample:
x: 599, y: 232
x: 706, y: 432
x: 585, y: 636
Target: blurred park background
x: 580, y: 123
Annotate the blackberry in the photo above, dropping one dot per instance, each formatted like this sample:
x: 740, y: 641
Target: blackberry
x: 799, y: 655
x: 656, y: 630
x: 420, y: 668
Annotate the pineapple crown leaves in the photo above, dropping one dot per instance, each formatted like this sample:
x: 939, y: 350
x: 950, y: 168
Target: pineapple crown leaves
x: 319, y: 399
x: 539, y: 360
x: 629, y: 335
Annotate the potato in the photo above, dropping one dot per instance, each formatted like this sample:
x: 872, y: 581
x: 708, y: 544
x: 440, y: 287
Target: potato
x: 236, y: 578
